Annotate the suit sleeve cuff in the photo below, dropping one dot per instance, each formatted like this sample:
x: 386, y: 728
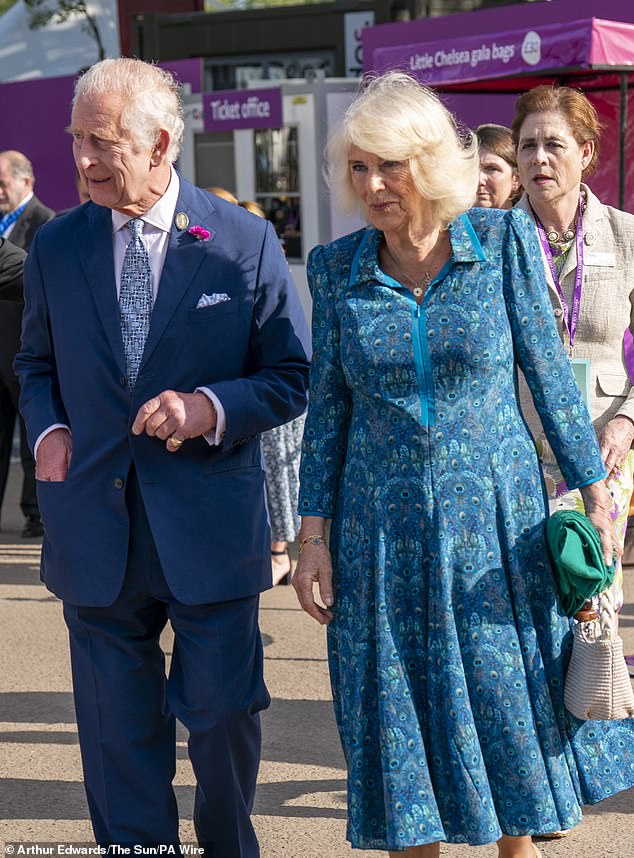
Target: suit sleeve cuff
x: 46, y: 432
x: 215, y: 437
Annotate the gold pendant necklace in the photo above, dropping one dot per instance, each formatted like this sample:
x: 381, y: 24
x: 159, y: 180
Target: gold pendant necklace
x: 418, y: 290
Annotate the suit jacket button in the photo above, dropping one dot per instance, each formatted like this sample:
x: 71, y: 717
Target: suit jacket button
x: 118, y: 483
x: 123, y: 380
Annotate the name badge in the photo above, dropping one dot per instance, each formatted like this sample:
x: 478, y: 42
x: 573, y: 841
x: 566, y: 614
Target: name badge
x: 581, y: 370
x: 597, y: 258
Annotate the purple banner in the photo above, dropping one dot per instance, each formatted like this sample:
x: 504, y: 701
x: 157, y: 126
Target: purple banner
x: 481, y: 57
x: 232, y: 109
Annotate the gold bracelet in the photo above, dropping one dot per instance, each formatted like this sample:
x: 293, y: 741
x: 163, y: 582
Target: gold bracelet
x: 312, y: 540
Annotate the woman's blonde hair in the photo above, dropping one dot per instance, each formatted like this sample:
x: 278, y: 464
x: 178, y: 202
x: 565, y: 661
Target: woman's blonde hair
x: 399, y: 119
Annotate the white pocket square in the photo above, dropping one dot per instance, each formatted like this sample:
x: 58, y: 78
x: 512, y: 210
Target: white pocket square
x: 210, y: 300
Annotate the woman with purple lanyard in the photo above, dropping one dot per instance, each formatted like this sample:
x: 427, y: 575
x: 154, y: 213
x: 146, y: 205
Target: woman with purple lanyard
x: 588, y: 252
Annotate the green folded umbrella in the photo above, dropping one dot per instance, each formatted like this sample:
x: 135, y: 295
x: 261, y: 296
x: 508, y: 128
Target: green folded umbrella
x: 577, y: 559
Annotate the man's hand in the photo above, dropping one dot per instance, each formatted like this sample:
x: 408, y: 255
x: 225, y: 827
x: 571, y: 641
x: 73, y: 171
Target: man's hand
x: 53, y: 456
x: 174, y: 417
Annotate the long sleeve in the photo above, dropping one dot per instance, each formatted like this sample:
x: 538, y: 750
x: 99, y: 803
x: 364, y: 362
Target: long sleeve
x: 273, y: 391
x: 40, y: 398
x: 11, y: 265
x: 329, y: 410
x: 542, y: 358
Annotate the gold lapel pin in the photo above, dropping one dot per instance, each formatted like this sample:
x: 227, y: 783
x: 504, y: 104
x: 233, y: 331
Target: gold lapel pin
x: 181, y: 221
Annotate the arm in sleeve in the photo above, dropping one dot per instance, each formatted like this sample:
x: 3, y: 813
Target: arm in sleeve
x: 11, y: 267
x: 274, y: 390
x: 330, y: 406
x: 541, y: 356
x: 627, y: 408
x: 40, y: 399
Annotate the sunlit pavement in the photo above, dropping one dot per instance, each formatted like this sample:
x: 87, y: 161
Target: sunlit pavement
x: 300, y: 806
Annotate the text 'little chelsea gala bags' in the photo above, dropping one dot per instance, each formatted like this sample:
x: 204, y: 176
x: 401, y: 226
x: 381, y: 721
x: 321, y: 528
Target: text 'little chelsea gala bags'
x: 598, y: 686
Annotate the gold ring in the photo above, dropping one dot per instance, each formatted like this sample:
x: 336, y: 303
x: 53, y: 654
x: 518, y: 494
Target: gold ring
x: 175, y: 442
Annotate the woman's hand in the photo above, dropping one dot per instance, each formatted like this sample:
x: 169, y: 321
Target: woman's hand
x: 314, y: 566
x: 615, y: 441
x: 598, y: 506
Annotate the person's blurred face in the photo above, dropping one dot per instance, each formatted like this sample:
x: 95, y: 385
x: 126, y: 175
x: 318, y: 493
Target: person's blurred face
x: 498, y: 181
x: 118, y: 172
x: 387, y: 190
x: 12, y: 189
x: 549, y: 159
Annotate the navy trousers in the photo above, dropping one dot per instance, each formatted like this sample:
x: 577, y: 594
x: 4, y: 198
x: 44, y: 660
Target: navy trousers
x: 126, y: 706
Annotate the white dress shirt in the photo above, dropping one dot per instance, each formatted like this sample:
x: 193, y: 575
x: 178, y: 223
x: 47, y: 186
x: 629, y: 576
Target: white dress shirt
x: 157, y: 225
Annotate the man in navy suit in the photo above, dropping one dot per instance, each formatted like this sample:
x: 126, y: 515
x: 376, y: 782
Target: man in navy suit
x: 144, y: 414
x: 21, y: 215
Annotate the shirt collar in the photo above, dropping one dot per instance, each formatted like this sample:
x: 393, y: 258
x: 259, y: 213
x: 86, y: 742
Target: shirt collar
x: 161, y: 215
x: 23, y: 202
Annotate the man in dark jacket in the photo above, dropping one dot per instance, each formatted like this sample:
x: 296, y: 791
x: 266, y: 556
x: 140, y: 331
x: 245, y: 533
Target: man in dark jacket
x: 21, y: 214
x: 11, y: 266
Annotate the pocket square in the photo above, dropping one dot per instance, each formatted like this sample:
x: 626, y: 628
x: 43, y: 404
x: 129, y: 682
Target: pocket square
x: 210, y: 300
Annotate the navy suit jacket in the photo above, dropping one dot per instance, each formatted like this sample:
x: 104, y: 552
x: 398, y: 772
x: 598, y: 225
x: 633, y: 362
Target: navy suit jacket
x: 205, y: 504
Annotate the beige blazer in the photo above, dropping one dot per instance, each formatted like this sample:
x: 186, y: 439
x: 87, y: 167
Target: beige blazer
x: 607, y: 308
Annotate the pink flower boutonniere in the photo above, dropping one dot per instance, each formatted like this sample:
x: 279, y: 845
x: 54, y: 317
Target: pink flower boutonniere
x: 199, y: 232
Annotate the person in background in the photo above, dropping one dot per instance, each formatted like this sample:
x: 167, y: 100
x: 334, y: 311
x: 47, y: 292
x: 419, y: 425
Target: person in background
x: 11, y: 268
x: 223, y: 193
x: 281, y: 450
x: 587, y: 252
x: 162, y: 333
x: 448, y: 644
x: 499, y: 184
x: 21, y: 215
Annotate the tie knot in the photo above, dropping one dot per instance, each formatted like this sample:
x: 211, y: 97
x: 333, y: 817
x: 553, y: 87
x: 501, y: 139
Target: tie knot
x: 135, y: 226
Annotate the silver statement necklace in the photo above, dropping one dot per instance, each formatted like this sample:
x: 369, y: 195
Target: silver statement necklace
x: 419, y: 288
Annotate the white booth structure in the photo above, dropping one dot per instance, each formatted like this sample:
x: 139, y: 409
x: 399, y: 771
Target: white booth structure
x: 267, y: 146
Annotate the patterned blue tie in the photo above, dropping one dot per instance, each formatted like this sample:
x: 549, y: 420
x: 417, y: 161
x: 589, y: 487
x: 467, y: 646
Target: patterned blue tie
x: 135, y: 300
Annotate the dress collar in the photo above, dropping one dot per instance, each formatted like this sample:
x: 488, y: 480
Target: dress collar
x: 465, y: 247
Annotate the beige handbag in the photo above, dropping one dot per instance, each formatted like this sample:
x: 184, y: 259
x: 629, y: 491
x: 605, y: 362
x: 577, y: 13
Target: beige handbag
x: 598, y: 686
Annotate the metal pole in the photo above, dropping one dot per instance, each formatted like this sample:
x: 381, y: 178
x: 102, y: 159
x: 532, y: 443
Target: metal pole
x: 622, y: 139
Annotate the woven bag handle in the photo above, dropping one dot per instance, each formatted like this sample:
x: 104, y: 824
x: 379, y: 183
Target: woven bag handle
x: 607, y: 614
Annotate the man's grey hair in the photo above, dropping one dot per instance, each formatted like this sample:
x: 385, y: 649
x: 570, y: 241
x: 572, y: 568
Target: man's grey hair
x: 19, y: 165
x: 151, y: 99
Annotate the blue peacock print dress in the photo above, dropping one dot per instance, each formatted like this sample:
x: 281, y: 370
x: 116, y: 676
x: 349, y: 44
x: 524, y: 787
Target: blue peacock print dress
x: 448, y: 646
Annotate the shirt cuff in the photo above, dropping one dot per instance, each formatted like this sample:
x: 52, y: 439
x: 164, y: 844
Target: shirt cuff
x: 46, y: 432
x: 215, y: 438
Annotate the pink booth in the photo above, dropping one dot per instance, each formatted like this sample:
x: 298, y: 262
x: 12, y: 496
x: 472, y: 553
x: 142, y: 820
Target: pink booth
x: 480, y: 61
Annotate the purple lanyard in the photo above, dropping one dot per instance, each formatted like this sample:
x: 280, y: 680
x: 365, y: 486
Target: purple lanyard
x: 570, y: 319
x: 628, y: 350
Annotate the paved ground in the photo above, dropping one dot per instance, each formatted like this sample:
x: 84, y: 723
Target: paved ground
x: 300, y: 807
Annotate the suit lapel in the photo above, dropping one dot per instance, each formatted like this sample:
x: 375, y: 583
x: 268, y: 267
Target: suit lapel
x: 185, y: 255
x: 94, y: 248
x: 19, y: 231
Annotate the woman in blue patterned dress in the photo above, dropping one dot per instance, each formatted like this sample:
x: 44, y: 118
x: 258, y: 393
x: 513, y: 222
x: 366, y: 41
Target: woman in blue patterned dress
x: 447, y: 642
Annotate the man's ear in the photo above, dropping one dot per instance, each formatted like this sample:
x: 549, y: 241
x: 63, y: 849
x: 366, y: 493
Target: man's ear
x: 159, y: 152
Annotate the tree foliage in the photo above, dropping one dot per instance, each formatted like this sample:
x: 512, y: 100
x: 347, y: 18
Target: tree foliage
x: 42, y: 12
